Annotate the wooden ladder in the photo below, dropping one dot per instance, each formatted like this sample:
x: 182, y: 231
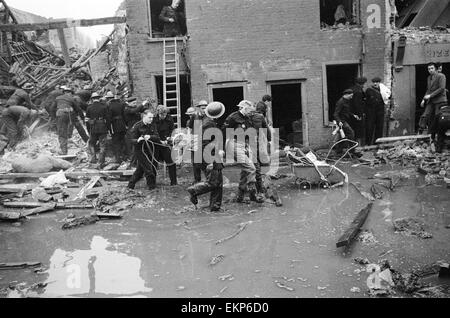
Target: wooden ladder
x: 171, y: 78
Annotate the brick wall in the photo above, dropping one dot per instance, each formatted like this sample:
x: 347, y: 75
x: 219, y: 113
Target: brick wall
x: 258, y: 40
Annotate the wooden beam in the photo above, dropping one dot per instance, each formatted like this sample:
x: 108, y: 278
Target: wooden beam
x: 401, y: 138
x: 72, y: 175
x: 354, y: 228
x: 64, y: 24
x: 64, y: 47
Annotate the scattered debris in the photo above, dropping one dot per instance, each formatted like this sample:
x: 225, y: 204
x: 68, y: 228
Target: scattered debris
x: 229, y: 277
x: 355, y: 290
x: 367, y: 237
x: 4, y: 266
x: 216, y: 260
x: 242, y: 227
x: 283, y: 286
x: 362, y: 261
x: 80, y: 221
x: 412, y: 226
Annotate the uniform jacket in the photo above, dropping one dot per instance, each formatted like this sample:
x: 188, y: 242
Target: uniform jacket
x: 140, y: 130
x: 132, y: 115
x: 170, y: 13
x: 436, y: 88
x: 20, y: 98
x: 165, y: 127
x: 358, y: 101
x: 117, y: 112
x: 99, y: 118
x: 67, y: 102
x: 259, y: 121
x: 19, y: 114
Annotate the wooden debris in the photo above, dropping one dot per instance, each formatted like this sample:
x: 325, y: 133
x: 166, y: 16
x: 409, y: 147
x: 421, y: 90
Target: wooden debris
x: 81, y: 221
x: 62, y: 206
x: 402, y: 138
x: 82, y: 193
x: 45, y: 208
x: 109, y: 215
x: 71, y: 175
x: 41, y: 195
x: 354, y: 228
x: 216, y: 260
x: 10, y: 216
x: 4, y: 266
x: 242, y: 227
x: 283, y: 286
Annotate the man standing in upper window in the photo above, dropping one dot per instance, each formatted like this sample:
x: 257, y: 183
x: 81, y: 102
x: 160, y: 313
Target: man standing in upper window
x: 169, y: 16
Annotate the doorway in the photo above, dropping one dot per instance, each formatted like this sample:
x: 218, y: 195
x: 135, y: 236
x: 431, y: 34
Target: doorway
x: 229, y: 96
x: 339, y: 78
x: 421, y: 87
x: 185, y: 95
x: 287, y: 111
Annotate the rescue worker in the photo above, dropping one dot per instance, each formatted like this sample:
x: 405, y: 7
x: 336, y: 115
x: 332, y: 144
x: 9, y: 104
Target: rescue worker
x: 67, y: 110
x: 214, y: 175
x: 434, y: 99
x: 109, y: 97
x: 118, y: 129
x: 99, y: 123
x: 443, y: 125
x: 49, y: 105
x: 242, y: 152
x: 263, y: 136
x: 132, y: 114
x: 165, y: 126
x: 144, y: 135
x: 15, y: 119
x: 375, y: 112
x: 21, y: 97
x: 358, y: 108
x: 343, y: 115
x: 197, y: 118
x: 170, y: 17
x: 84, y: 97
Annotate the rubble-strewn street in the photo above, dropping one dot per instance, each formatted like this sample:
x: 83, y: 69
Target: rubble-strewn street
x: 160, y: 246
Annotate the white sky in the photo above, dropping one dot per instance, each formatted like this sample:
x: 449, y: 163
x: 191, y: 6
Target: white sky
x: 77, y: 9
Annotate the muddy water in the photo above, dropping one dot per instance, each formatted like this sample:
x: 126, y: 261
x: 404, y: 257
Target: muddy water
x: 165, y: 250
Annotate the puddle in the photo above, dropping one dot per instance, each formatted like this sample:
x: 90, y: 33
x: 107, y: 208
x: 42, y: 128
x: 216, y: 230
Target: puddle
x: 98, y: 271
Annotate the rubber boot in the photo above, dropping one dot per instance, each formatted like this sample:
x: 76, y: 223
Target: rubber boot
x: 151, y: 182
x: 101, y: 160
x: 193, y: 195
x: 240, y: 196
x: 173, y: 175
x: 254, y: 196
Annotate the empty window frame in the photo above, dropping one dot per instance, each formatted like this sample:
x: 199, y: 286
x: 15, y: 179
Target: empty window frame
x: 339, y: 13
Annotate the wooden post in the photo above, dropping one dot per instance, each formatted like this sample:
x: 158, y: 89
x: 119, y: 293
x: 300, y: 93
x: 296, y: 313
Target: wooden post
x: 64, y: 48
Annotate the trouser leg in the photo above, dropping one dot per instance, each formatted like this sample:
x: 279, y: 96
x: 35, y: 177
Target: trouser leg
x: 12, y: 131
x: 259, y: 178
x: 216, y: 182
x: 197, y: 169
x: 379, y: 125
x: 349, y: 133
x: 63, y: 132
x: 167, y: 158
x: 370, y: 129
x: 138, y: 174
x: 102, y: 149
x: 118, y: 142
x: 80, y: 128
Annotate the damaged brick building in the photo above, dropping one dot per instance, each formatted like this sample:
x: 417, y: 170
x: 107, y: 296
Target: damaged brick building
x: 302, y: 52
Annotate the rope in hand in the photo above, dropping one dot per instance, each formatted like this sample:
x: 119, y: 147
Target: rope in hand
x: 148, y: 143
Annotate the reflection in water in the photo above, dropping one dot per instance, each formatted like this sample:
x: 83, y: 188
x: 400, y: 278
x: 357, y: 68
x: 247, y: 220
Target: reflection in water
x: 96, y: 271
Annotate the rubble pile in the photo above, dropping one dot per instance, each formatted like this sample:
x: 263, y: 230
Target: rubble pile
x: 419, y: 154
x: 423, y: 35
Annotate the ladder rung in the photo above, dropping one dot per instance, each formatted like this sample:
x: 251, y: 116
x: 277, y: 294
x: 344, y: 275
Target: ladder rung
x: 171, y: 61
x: 171, y: 68
x: 171, y: 92
x: 171, y: 76
x: 171, y: 99
x: 171, y: 84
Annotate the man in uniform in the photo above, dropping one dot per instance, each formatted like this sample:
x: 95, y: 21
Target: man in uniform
x: 99, y: 122
x: 375, y: 112
x: 264, y: 105
x: 50, y: 105
x: 15, y: 118
x: 84, y: 96
x: 214, y: 176
x: 118, y: 129
x: 132, y: 115
x: 165, y: 126
x: 21, y: 97
x: 170, y: 17
x: 67, y: 109
x: 142, y: 134
x: 243, y: 154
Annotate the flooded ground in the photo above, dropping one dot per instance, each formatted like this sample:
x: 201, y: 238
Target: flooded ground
x: 164, y: 248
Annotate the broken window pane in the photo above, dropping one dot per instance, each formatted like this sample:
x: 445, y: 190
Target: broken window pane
x: 339, y: 13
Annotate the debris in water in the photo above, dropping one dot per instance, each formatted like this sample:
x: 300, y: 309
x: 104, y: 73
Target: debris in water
x: 367, y: 237
x: 229, y: 277
x: 355, y: 290
x: 242, y: 227
x: 216, y: 260
x: 283, y: 286
x: 362, y: 261
x: 81, y: 221
x: 412, y: 226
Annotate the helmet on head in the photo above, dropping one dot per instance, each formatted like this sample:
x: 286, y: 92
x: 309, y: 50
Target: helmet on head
x: 28, y: 86
x: 202, y: 104
x: 215, y: 110
x: 190, y: 111
x: 109, y: 95
x: 95, y: 95
x: 67, y: 89
x: 245, y: 104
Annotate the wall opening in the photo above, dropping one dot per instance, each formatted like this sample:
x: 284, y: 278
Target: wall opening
x: 230, y: 97
x: 421, y: 87
x: 339, y: 78
x: 185, y: 95
x: 287, y: 112
x: 156, y: 7
x: 339, y: 13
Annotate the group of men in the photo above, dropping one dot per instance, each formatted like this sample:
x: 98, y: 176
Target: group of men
x: 361, y: 112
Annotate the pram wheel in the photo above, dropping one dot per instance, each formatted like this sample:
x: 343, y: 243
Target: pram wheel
x: 324, y: 185
x: 303, y: 184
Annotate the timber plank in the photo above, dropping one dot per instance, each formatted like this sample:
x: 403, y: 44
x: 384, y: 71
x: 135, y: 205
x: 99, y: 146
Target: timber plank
x: 347, y: 238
